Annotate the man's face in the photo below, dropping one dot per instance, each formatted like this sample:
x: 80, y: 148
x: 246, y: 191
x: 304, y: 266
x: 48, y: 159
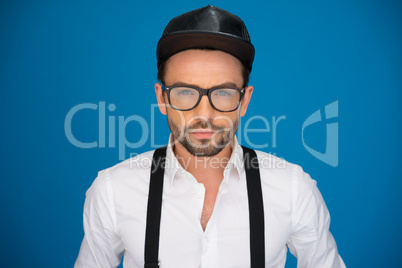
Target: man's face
x: 203, y: 131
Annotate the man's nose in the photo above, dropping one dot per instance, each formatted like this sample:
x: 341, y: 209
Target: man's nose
x: 204, y: 108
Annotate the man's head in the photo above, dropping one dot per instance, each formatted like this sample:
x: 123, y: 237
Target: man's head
x: 204, y: 69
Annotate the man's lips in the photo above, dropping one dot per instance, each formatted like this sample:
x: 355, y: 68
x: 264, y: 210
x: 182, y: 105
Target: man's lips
x: 202, y: 133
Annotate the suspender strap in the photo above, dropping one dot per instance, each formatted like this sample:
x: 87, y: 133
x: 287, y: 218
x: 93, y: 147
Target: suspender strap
x: 154, y: 208
x: 256, y: 208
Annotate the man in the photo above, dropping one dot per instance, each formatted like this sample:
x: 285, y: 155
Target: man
x: 204, y: 200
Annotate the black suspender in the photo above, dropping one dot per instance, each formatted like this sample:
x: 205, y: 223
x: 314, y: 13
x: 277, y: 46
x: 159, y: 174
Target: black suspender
x: 256, y: 209
x: 154, y: 208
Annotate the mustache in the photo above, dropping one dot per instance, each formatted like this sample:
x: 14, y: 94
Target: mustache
x: 203, y: 124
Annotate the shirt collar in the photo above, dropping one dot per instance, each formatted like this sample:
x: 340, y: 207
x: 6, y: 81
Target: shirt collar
x: 236, y: 160
x: 172, y: 166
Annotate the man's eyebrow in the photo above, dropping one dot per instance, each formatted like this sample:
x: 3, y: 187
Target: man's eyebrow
x: 226, y: 84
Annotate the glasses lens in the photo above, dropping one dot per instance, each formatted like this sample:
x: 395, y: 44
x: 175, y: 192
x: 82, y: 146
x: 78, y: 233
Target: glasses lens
x: 184, y: 98
x: 225, y: 99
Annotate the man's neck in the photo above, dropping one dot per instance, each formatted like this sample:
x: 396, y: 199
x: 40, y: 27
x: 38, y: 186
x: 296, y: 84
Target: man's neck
x: 207, y: 170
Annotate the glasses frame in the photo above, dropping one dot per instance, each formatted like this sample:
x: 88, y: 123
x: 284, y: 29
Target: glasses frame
x: 204, y: 92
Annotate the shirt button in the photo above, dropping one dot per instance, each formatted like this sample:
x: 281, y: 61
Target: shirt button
x: 199, y: 196
x: 205, y: 240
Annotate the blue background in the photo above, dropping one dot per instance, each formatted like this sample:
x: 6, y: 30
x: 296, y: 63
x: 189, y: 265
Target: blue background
x: 55, y: 55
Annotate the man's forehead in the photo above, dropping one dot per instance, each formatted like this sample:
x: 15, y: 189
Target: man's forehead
x: 213, y: 56
x: 203, y: 69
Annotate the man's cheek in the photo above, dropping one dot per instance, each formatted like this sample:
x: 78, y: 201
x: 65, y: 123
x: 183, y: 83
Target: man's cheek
x: 224, y: 121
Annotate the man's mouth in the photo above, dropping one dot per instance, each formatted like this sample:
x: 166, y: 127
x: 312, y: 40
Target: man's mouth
x: 202, y: 133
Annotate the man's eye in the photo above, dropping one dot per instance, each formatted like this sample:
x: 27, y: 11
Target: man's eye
x: 223, y: 93
x: 185, y: 92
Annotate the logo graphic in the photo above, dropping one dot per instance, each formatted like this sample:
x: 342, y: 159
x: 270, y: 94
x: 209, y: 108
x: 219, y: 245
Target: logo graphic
x: 330, y: 156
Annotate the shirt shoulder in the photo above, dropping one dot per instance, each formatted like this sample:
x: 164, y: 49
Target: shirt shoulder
x: 130, y: 172
x: 130, y: 167
x: 278, y: 172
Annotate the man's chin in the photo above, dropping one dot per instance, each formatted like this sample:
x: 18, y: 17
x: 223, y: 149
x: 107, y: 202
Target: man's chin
x: 202, y: 148
x: 204, y: 152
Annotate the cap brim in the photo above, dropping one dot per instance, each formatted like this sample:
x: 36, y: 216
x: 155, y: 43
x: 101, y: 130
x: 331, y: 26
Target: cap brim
x: 172, y: 44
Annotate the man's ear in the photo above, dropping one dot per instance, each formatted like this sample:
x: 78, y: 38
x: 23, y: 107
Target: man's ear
x: 246, y: 100
x: 160, y: 98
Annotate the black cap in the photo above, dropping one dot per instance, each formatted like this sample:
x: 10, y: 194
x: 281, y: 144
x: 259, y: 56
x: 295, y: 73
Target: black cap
x: 208, y: 27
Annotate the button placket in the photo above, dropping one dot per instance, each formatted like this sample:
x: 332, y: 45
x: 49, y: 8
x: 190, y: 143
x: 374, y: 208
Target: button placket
x: 204, y: 244
x: 204, y: 239
x: 200, y: 191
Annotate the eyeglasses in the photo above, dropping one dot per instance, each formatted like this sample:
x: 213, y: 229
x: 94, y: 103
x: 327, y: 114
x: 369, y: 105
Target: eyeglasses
x: 222, y: 99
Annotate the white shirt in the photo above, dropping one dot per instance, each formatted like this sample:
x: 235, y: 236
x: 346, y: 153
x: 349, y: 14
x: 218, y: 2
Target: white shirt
x: 295, y: 216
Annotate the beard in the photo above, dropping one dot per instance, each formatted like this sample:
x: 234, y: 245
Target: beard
x: 205, y: 147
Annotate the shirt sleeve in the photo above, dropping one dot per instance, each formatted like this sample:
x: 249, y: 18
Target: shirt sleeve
x: 101, y: 246
x: 311, y: 241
